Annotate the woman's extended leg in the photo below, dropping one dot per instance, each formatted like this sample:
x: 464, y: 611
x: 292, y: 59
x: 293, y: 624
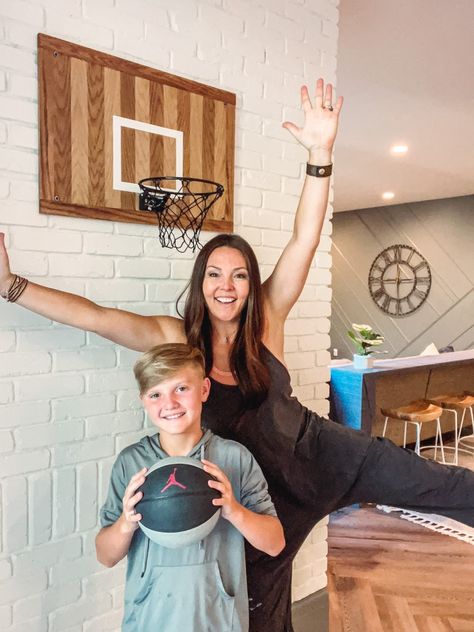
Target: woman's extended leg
x: 341, y: 466
x: 398, y: 477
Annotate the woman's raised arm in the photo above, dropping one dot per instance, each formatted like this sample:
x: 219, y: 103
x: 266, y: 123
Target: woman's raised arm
x: 283, y: 287
x: 125, y: 328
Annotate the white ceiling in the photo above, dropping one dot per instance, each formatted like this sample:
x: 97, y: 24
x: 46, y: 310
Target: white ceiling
x: 406, y: 70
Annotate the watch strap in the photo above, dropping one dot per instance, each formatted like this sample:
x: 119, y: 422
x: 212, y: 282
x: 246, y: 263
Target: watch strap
x: 319, y: 171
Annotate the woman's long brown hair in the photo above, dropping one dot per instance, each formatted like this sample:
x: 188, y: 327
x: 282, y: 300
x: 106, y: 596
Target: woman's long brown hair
x: 246, y: 361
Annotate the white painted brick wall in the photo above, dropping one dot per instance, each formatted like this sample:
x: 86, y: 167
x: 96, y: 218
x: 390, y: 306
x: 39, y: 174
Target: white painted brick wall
x: 68, y: 399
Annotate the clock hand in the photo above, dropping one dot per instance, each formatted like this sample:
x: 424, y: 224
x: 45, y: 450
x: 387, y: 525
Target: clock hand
x: 398, y: 281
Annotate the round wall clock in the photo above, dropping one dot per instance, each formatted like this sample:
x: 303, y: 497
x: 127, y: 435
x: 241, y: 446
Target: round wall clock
x: 399, y: 280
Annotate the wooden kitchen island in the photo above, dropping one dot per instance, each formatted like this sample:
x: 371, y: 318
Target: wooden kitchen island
x: 357, y: 395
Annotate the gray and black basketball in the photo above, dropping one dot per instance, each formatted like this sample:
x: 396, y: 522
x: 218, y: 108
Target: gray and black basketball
x: 177, y: 507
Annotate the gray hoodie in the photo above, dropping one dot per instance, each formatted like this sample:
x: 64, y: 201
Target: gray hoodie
x: 198, y: 588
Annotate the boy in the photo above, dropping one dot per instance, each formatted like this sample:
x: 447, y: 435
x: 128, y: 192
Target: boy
x: 201, y: 587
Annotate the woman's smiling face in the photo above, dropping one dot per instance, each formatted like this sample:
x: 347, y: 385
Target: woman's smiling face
x: 226, y: 284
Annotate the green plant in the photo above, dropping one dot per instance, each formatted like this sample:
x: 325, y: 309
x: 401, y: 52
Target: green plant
x: 365, y: 338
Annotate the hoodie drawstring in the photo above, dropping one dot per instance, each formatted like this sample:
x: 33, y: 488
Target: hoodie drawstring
x: 203, y: 456
x: 145, y: 561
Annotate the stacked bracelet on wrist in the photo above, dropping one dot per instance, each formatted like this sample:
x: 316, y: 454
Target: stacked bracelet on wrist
x: 318, y: 171
x: 16, y: 289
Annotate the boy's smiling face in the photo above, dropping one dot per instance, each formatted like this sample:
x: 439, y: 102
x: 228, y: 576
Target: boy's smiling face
x: 174, y: 405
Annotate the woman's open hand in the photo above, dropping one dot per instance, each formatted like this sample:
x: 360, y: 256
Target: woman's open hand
x: 320, y: 120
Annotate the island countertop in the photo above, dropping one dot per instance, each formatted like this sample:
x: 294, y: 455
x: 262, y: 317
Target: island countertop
x: 358, y: 394
x: 410, y: 362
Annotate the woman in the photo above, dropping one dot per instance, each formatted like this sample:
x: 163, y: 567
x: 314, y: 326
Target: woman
x: 313, y: 466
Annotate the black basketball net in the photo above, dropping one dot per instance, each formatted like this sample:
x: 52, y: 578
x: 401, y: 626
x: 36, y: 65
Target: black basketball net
x: 181, y: 206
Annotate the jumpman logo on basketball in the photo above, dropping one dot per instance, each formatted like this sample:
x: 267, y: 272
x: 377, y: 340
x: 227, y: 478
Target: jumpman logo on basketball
x: 172, y: 481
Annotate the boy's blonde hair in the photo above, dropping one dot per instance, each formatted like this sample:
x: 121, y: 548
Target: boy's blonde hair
x: 163, y: 361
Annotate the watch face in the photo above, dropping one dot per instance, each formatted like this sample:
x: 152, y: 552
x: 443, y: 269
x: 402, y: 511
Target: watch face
x: 399, y: 280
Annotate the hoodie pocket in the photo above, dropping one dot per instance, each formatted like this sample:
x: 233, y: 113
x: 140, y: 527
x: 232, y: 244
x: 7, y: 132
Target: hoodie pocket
x: 185, y: 598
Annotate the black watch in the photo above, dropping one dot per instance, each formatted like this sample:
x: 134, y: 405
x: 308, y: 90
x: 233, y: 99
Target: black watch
x: 318, y: 171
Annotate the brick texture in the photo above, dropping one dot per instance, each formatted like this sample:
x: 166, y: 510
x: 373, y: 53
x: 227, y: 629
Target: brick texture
x: 68, y: 398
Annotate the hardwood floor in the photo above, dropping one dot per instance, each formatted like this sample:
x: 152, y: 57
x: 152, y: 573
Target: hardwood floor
x: 386, y: 574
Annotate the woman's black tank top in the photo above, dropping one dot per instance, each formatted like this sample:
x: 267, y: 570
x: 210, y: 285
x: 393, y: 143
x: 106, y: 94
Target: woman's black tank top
x: 271, y: 432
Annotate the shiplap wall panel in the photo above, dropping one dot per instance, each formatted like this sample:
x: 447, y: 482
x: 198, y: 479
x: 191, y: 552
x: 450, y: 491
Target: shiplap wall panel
x: 447, y: 215
x: 465, y: 340
x: 459, y: 316
x: 438, y: 251
x: 358, y: 254
x: 379, y: 225
x: 389, y: 228
x: 442, y: 230
x: 355, y: 303
x: 389, y: 225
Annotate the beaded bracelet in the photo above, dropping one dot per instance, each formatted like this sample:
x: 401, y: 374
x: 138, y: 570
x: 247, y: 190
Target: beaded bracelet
x: 16, y: 289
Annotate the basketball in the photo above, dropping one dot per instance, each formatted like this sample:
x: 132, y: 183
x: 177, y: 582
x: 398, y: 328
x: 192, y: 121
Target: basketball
x: 176, y: 506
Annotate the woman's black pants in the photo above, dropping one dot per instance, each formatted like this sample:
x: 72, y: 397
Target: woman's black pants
x: 332, y: 467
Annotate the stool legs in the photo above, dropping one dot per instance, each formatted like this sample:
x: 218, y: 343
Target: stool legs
x: 440, y: 435
x: 404, y: 430
x: 438, y: 441
x: 456, y: 434
x: 418, y: 436
x: 385, y: 428
x: 418, y: 447
x: 461, y: 440
x: 462, y: 422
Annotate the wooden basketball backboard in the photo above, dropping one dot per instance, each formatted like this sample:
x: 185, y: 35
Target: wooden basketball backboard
x: 106, y: 123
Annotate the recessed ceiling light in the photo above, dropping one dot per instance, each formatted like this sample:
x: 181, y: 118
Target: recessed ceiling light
x: 399, y: 149
x: 388, y: 195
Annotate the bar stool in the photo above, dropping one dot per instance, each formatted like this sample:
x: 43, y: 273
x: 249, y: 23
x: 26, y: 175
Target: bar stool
x: 417, y: 413
x: 457, y: 403
x: 469, y: 395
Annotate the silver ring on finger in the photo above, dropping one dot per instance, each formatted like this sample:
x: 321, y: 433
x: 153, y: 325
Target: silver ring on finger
x: 329, y: 107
